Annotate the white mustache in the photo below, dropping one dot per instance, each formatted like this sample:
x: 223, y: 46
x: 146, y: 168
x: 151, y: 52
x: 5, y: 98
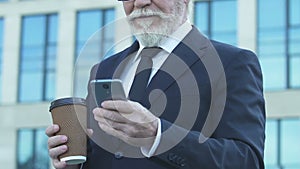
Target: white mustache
x: 146, y: 12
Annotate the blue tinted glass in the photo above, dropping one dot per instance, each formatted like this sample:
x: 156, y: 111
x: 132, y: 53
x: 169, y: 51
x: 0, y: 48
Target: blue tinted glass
x: 294, y: 43
x: 222, y: 10
x: 86, y: 30
x: 212, y: 19
x: 267, y: 17
x: 109, y: 16
x: 25, y: 148
x: 52, y: 29
x: 109, y: 29
x: 31, y: 86
x: 96, y: 29
x: 295, y: 12
x: 109, y: 32
x: 41, y: 151
x: 272, y: 40
x: 271, y: 144
x: 201, y: 16
x: 88, y: 22
x: 51, y: 53
x: 295, y: 71
x: 274, y: 71
x: 290, y: 143
x: 32, y: 150
x: 38, y: 57
x: 51, y: 48
x: 32, y: 58
x: 1, y: 31
x: 272, y: 43
x: 1, y: 47
x: 33, y: 31
x: 50, y: 86
x: 294, y: 49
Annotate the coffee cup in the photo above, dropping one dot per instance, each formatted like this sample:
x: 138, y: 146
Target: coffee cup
x: 71, y: 115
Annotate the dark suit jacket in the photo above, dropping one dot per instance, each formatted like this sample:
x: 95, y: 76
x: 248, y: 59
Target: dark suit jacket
x: 210, y: 102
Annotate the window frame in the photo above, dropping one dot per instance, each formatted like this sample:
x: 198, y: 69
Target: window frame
x: 46, y: 71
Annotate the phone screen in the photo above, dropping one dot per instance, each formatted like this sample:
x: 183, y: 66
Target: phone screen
x: 107, y: 89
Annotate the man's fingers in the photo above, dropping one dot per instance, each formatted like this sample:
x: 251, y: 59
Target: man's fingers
x: 56, y: 151
x: 57, y: 140
x: 119, y: 105
x: 112, y: 128
x: 116, y: 129
x: 51, y: 130
x: 109, y: 115
x: 130, y: 139
x: 112, y: 131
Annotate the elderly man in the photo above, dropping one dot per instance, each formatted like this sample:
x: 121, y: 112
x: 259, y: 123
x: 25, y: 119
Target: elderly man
x: 201, y: 107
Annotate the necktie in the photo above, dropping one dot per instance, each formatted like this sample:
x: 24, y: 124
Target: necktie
x: 142, y: 73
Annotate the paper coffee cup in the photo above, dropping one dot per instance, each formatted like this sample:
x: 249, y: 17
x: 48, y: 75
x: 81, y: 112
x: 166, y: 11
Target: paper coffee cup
x: 71, y: 116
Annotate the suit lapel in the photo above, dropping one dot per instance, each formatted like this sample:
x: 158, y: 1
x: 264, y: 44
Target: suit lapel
x: 189, y: 51
x: 123, y: 60
x: 115, y: 69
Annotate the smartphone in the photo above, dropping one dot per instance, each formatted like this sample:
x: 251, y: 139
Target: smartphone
x: 107, y: 89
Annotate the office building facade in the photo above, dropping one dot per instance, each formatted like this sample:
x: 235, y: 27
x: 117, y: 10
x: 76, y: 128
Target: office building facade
x: 44, y: 55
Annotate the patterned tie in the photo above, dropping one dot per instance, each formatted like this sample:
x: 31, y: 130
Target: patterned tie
x: 143, y: 73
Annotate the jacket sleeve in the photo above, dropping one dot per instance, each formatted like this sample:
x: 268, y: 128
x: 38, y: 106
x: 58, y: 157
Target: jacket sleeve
x: 238, y: 140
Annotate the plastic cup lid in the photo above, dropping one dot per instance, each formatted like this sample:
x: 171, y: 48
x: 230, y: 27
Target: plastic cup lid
x: 67, y: 101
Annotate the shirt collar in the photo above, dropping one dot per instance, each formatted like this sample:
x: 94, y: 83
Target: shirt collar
x: 170, y: 43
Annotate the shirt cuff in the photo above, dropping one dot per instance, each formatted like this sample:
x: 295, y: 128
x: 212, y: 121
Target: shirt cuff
x: 149, y: 151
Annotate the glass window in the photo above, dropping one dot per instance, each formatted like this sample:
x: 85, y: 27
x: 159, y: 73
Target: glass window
x: 290, y: 140
x: 201, y: 17
x: 294, y: 12
x: 294, y: 43
x: 211, y: 17
x: 271, y: 148
x: 32, y: 152
x: 96, y: 37
x: 1, y: 57
x: 271, y: 42
x: 278, y: 43
x: 282, y: 143
x: 38, y: 57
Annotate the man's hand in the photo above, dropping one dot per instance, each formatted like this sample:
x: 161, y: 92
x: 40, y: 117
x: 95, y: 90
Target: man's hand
x: 56, y: 146
x: 128, y: 121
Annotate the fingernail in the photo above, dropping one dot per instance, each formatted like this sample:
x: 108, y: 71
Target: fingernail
x: 64, y: 147
x: 55, y: 126
x: 64, y: 138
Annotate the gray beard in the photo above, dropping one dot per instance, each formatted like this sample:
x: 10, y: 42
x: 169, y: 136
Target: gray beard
x: 150, y: 39
x: 151, y: 36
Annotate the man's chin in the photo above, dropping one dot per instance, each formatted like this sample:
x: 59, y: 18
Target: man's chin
x: 150, y: 35
x: 149, y: 40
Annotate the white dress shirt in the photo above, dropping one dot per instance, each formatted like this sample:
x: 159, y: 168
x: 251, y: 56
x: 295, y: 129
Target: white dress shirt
x: 168, y: 45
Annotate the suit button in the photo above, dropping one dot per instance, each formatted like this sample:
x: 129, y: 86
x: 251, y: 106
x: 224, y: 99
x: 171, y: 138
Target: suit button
x: 118, y: 155
x: 181, y: 162
x: 172, y: 157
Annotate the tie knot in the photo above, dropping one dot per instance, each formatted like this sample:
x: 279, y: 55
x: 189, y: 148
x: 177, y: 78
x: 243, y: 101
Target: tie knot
x: 150, y: 52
